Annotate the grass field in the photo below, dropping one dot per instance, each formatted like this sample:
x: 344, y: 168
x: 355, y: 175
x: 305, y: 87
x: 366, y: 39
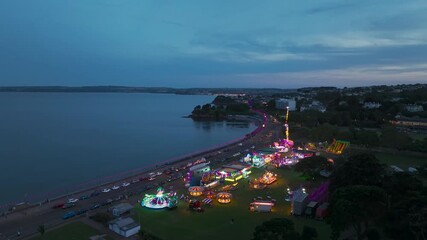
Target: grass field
x: 401, y: 160
x: 215, y: 222
x: 72, y: 231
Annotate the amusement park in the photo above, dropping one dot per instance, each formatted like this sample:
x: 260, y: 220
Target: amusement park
x: 229, y: 197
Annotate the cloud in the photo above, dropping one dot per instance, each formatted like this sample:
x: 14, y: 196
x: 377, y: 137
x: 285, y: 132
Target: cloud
x: 345, y: 77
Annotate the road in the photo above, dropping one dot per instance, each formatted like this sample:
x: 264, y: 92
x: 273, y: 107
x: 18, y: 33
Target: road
x: 27, y: 221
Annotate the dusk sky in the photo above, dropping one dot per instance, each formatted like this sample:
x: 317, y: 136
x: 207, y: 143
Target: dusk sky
x: 220, y: 43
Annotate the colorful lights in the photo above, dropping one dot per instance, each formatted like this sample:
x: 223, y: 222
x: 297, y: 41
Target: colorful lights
x: 195, y: 191
x: 160, y: 200
x: 224, y: 197
x: 268, y: 178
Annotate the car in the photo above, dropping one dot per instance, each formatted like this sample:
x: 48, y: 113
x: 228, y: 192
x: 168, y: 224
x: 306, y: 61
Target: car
x: 72, y: 200
x: 69, y: 215
x: 59, y: 205
x: 105, y: 190
x: 108, y: 201
x: 152, y: 174
x: 118, y: 198
x: 68, y: 205
x: 84, y: 197
x: 151, y: 178
x: 95, y: 206
x: 115, y: 187
x: 81, y: 211
x: 158, y: 173
x: 125, y: 184
x: 95, y: 193
x: 135, y: 180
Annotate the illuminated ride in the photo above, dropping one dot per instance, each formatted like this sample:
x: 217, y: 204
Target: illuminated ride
x: 224, y: 197
x: 160, y: 200
x: 255, y: 184
x: 195, y: 191
x: 268, y: 178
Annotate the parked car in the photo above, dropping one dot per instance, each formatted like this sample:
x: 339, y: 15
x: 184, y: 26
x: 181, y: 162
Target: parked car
x: 135, y: 180
x: 73, y: 200
x: 95, y: 206
x: 81, y: 211
x: 68, y: 205
x: 105, y: 190
x: 84, y: 197
x: 69, y: 215
x: 115, y: 187
x: 95, y: 193
x: 125, y: 184
x: 107, y: 202
x: 59, y: 205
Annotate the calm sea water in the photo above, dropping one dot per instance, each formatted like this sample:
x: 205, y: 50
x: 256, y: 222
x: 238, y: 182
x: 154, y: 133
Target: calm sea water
x: 51, y: 140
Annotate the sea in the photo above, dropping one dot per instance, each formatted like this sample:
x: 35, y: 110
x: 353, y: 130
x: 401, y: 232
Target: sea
x: 52, y: 142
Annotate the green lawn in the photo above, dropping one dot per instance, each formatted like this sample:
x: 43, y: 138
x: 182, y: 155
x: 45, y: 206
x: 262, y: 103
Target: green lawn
x: 72, y: 231
x: 401, y: 160
x: 215, y: 222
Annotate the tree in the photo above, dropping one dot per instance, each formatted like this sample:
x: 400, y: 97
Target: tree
x: 407, y: 213
x: 308, y: 233
x: 276, y: 229
x: 41, y: 229
x: 311, y: 166
x: 356, y: 208
x: 359, y: 169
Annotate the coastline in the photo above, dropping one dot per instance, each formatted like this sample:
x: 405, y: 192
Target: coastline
x: 44, y: 198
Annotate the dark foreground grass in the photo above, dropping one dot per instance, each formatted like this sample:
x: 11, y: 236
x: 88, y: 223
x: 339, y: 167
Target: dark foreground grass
x: 72, y: 231
x: 215, y: 222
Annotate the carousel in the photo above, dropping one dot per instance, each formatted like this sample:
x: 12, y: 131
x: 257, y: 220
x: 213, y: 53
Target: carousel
x: 224, y: 197
x: 195, y: 191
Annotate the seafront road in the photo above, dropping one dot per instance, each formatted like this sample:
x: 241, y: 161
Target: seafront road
x: 24, y: 223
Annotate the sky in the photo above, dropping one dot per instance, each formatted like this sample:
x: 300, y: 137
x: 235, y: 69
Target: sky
x: 213, y: 43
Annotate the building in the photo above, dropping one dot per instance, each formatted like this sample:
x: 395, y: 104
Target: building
x: 283, y: 103
x: 371, y: 105
x: 120, y: 209
x: 196, y: 172
x: 299, y: 202
x: 125, y: 227
x: 413, y: 123
x: 414, y: 108
x: 315, y: 105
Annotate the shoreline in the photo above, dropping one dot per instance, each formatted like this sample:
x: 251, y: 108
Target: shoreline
x: 92, y: 185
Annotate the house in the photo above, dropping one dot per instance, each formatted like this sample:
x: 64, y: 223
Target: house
x: 120, y: 209
x: 283, y: 103
x: 414, y: 108
x: 125, y: 227
x: 371, y: 105
x: 315, y: 105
